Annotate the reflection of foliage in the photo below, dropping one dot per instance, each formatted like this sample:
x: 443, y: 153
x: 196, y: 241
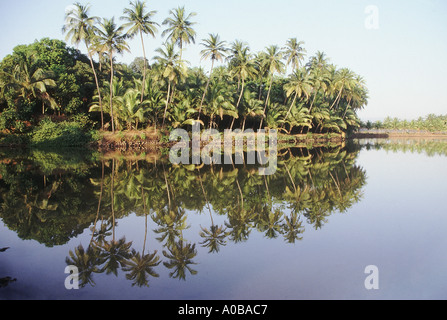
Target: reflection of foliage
x: 180, y: 256
x: 140, y: 266
x: 214, y: 237
x: 429, y: 147
x: 54, y: 203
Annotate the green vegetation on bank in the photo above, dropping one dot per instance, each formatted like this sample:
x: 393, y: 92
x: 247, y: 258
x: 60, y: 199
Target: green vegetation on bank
x: 431, y: 123
x: 276, y: 88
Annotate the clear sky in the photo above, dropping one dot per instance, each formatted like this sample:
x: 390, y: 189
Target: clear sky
x: 404, y: 60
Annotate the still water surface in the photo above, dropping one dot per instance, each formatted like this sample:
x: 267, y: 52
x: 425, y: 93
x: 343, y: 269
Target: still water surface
x: 140, y: 229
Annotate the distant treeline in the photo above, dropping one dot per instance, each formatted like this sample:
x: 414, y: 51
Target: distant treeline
x: 430, y: 123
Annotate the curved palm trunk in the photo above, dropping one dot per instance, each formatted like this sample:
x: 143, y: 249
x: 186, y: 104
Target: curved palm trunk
x: 241, y: 94
x: 291, y: 106
x: 266, y: 102
x: 144, y: 67
x: 338, y: 98
x: 97, y: 86
x: 206, y: 88
x: 111, y: 92
x: 238, y: 102
x: 313, y: 101
x: 167, y: 103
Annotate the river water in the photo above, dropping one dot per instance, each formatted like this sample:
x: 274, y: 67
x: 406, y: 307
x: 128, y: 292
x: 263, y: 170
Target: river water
x: 363, y: 221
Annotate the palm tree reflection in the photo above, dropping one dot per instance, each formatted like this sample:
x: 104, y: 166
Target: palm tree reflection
x: 308, y: 187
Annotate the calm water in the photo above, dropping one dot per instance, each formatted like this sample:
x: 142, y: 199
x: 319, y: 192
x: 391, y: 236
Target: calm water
x: 143, y: 229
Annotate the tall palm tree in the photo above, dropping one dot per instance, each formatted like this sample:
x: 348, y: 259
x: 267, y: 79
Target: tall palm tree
x: 139, y: 21
x: 113, y: 39
x: 272, y: 61
x: 294, y: 53
x: 298, y: 85
x: 172, y: 68
x: 344, y: 79
x: 214, y: 50
x: 80, y: 27
x: 243, y: 66
x: 180, y: 29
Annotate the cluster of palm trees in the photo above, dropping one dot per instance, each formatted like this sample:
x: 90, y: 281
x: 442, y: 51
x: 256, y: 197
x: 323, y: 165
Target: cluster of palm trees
x: 247, y: 89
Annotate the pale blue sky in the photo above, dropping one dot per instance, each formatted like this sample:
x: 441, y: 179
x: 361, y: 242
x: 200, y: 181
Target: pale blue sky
x: 403, y: 61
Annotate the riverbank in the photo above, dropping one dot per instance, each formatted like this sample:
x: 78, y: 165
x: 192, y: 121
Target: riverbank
x: 388, y: 134
x: 135, y: 141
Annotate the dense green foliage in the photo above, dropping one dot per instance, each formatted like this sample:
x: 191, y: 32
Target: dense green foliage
x: 275, y: 88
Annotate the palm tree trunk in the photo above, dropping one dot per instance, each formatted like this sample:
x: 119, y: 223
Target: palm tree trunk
x: 266, y: 102
x: 111, y: 92
x: 206, y: 88
x: 312, y: 104
x: 291, y: 106
x: 338, y: 98
x: 167, y: 103
x: 97, y: 86
x: 144, y: 67
x: 240, y: 95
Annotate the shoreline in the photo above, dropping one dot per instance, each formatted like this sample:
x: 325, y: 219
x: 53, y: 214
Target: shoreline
x: 150, y: 140
x: 399, y: 134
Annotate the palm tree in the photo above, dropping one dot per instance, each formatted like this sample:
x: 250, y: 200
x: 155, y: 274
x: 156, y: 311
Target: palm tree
x: 214, y: 50
x: 113, y: 39
x: 139, y: 22
x: 31, y: 80
x: 320, y: 82
x: 343, y: 80
x: 243, y: 66
x: 172, y: 68
x: 251, y: 107
x: 294, y: 53
x: 131, y: 111
x: 79, y: 26
x: 272, y: 62
x: 180, y: 29
x: 298, y: 85
x: 218, y: 102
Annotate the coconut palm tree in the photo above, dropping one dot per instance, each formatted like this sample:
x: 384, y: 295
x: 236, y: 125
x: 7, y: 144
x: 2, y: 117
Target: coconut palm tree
x: 31, y: 81
x: 80, y: 27
x: 113, y: 39
x: 272, y: 60
x: 180, y: 29
x: 294, y: 53
x: 343, y: 81
x: 298, y: 85
x: 217, y: 102
x: 251, y: 107
x: 171, y: 68
x: 242, y: 66
x: 140, y: 22
x: 214, y: 50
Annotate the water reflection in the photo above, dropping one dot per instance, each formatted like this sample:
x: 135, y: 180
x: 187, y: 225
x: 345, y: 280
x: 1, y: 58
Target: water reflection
x: 52, y: 198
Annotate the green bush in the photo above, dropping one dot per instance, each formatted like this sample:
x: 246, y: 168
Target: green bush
x: 63, y: 134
